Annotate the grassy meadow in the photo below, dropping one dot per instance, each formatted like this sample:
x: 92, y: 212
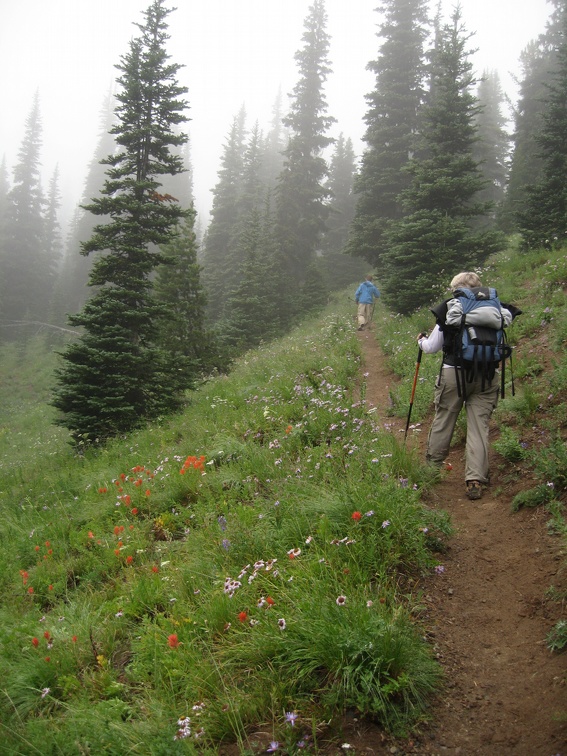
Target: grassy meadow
x: 250, y: 569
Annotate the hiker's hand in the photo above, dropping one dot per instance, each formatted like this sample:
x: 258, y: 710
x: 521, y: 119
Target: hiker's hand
x: 421, y: 336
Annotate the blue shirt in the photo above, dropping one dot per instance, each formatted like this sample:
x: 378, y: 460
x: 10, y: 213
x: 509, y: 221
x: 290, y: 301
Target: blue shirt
x: 366, y: 292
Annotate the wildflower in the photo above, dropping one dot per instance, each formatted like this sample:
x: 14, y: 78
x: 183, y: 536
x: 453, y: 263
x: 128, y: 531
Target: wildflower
x: 341, y: 600
x: 270, y: 600
x: 386, y: 523
x: 155, y: 568
x: 292, y: 553
x: 281, y: 623
x: 30, y: 590
x: 129, y: 559
x: 90, y: 534
x: 222, y: 522
x: 369, y: 513
x: 45, y: 692
x: 47, y: 635
x: 369, y: 603
x: 184, y: 724
x: 254, y: 622
x: 120, y: 613
x: 173, y: 640
x: 74, y: 638
x: 289, y: 429
x: 242, y: 616
x: 356, y: 516
x: 274, y: 746
x: 308, y: 539
x: 37, y: 548
x: 549, y: 484
x: 35, y: 642
x: 47, y: 658
x: 290, y: 716
x: 49, y: 587
x: 439, y: 569
x: 134, y: 510
x: 225, y: 544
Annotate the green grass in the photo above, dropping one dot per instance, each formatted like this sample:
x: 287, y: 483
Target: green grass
x: 279, y: 573
x: 164, y: 581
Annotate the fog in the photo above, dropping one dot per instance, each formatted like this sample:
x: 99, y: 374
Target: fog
x: 234, y: 53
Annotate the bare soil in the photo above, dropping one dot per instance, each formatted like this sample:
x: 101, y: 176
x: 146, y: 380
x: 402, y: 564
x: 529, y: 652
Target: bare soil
x: 487, y: 617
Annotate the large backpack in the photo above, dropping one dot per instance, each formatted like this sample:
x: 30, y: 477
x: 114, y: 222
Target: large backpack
x: 477, y: 320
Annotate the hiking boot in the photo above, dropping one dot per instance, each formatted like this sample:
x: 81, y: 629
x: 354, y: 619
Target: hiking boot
x: 474, y: 490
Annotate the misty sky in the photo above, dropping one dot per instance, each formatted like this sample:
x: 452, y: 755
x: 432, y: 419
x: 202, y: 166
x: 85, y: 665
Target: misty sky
x: 235, y: 52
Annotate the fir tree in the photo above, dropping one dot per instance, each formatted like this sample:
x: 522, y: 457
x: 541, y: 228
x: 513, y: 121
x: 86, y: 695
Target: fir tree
x: 22, y: 266
x: 189, y: 349
x: 115, y: 377
x: 492, y: 145
x: 544, y: 220
x: 526, y: 164
x: 393, y: 123
x: 72, y: 285
x: 338, y: 268
x: 218, y: 254
x: 301, y: 208
x: 435, y: 238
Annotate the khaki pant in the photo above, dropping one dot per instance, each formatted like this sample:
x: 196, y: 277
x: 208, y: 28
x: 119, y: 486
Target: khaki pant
x: 479, y: 406
x: 364, y: 314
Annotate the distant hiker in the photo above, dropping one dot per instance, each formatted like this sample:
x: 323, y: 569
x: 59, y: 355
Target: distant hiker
x: 471, y: 355
x: 364, y: 297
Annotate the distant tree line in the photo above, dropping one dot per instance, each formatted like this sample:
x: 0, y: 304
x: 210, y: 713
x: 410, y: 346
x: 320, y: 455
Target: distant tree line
x: 156, y: 307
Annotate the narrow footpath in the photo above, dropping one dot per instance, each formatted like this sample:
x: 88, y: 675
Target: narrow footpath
x: 487, y: 616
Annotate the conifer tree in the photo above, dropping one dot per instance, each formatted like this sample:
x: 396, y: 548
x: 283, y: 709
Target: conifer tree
x: 544, y: 219
x: 436, y: 235
x: 536, y: 62
x: 22, y: 265
x: 301, y: 209
x: 393, y: 123
x: 218, y: 261
x: 274, y: 146
x: 114, y: 377
x: 338, y: 268
x: 52, y: 241
x: 491, y: 148
x: 189, y: 349
x: 71, y: 289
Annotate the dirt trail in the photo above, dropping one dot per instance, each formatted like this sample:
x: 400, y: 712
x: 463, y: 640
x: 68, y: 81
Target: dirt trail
x: 487, y: 616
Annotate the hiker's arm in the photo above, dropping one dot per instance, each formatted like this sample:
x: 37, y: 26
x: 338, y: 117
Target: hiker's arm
x: 432, y: 343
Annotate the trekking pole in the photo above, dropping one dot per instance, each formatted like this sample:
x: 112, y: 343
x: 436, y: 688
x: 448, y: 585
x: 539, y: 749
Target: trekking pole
x: 417, y: 364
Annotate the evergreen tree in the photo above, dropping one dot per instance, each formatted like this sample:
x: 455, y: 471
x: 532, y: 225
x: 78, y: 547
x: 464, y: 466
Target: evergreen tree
x: 22, y: 266
x: 492, y: 146
x: 544, y: 220
x: 189, y: 349
x: 338, y: 268
x: 301, y: 208
x: 52, y: 241
x: 259, y: 307
x: 274, y: 146
x: 393, y: 123
x: 436, y: 236
x: 114, y: 377
x: 218, y: 260
x: 71, y: 289
x: 536, y: 63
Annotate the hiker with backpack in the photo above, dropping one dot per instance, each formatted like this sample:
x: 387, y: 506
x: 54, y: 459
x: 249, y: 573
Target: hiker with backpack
x: 364, y: 298
x: 470, y: 330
